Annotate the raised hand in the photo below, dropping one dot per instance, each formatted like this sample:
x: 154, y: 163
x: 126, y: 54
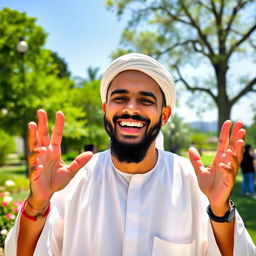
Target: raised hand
x: 217, y: 180
x: 48, y: 173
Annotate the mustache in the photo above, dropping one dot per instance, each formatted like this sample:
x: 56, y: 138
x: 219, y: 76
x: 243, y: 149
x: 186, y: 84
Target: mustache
x: 134, y: 117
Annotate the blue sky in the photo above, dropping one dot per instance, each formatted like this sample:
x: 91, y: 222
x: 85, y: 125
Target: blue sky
x: 84, y: 33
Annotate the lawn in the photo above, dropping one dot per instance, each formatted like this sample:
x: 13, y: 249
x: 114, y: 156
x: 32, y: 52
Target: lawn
x: 245, y: 205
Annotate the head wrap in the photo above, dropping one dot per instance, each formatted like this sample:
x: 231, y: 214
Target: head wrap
x: 145, y: 64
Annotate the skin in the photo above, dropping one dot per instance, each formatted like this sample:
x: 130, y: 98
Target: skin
x: 48, y: 173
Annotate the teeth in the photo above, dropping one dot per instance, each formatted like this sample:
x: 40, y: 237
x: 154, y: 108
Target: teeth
x: 131, y: 124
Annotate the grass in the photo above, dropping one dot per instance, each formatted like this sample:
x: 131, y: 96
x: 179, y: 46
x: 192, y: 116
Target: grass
x: 246, y: 205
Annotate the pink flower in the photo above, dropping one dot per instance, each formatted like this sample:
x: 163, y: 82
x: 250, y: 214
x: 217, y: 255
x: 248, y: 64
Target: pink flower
x: 10, y: 216
x: 4, y: 204
x: 16, y: 209
x: 18, y: 204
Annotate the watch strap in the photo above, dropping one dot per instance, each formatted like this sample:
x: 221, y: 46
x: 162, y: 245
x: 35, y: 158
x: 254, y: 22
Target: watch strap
x: 228, y: 217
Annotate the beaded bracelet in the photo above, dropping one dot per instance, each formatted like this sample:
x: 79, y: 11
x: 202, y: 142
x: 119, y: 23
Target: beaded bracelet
x: 37, y: 217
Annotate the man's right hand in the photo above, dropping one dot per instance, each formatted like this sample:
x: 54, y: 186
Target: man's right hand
x: 48, y: 172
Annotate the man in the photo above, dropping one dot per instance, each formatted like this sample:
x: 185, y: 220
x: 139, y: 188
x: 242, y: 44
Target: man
x: 133, y: 199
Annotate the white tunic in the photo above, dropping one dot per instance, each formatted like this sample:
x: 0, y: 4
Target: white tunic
x: 105, y: 212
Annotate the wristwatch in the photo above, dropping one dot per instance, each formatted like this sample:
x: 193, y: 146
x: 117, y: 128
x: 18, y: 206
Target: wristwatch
x: 228, y: 217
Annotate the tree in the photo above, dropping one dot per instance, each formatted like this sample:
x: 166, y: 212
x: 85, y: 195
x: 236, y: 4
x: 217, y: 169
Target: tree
x: 44, y: 84
x: 62, y: 65
x: 88, y: 98
x: 91, y: 75
x: 192, y: 34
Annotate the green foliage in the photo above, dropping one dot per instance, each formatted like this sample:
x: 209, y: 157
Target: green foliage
x: 199, y: 140
x: 62, y: 66
x: 250, y: 137
x: 36, y: 79
x: 88, y: 98
x: 7, y: 146
x: 176, y: 135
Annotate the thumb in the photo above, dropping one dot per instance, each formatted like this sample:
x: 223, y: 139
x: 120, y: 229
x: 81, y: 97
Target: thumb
x: 195, y: 160
x: 79, y: 162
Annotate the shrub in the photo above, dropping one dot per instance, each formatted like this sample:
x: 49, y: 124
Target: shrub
x: 7, y: 146
x: 8, y: 210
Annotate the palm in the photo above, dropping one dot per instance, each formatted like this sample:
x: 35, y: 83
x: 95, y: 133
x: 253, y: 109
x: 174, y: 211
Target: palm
x: 48, y: 172
x: 217, y: 180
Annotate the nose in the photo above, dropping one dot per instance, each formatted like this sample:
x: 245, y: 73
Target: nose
x: 131, y: 107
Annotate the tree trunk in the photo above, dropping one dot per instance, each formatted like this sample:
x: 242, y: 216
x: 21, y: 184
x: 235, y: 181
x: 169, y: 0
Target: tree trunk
x: 223, y: 103
x: 224, y: 111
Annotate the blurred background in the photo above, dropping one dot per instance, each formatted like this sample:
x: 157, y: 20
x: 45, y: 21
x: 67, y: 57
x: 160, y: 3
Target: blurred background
x: 53, y: 54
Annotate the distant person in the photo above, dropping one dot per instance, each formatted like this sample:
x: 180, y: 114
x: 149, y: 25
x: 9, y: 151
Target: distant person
x: 248, y: 171
x: 90, y: 147
x: 133, y: 199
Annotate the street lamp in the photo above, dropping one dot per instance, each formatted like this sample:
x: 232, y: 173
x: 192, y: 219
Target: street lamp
x: 22, y: 48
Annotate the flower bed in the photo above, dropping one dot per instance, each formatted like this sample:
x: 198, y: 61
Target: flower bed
x: 8, y: 210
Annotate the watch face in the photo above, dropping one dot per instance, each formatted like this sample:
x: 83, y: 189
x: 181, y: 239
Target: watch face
x: 231, y: 214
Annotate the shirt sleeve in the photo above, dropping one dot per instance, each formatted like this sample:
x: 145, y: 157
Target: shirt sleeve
x: 243, y: 244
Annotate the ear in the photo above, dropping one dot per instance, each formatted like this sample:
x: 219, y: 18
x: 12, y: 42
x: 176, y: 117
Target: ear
x: 166, y: 113
x: 104, y: 107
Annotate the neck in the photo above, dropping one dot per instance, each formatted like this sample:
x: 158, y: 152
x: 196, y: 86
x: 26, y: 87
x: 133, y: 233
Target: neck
x: 144, y: 166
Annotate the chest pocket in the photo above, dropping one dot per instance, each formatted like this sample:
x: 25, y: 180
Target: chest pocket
x: 165, y: 248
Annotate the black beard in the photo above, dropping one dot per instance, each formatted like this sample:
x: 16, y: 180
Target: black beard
x: 131, y: 152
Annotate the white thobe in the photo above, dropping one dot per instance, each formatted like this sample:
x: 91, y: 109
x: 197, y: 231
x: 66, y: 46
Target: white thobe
x: 105, y: 212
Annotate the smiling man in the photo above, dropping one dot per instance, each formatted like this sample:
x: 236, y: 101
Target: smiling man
x: 133, y: 199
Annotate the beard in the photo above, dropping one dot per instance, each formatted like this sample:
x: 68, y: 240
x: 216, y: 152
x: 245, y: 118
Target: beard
x: 131, y: 152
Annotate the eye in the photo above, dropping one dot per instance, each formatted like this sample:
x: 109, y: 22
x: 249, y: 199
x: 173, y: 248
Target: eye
x: 119, y: 99
x: 146, y: 101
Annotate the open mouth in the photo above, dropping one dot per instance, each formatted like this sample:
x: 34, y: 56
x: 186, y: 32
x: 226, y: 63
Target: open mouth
x: 131, y: 124
x: 131, y: 127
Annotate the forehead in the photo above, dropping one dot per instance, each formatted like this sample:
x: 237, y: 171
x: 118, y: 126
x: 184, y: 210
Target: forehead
x: 135, y: 81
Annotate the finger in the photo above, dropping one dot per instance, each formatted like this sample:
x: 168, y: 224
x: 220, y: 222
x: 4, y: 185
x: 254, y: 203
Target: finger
x: 241, y: 134
x: 33, y: 155
x: 239, y: 150
x: 234, y: 161
x: 235, y: 131
x: 32, y: 136
x: 224, y: 136
x: 79, y: 162
x: 43, y: 133
x: 58, y: 129
x: 196, y: 161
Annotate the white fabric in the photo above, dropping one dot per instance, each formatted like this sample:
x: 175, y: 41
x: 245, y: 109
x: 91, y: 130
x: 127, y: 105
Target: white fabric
x: 160, y: 141
x: 105, y: 212
x: 145, y: 64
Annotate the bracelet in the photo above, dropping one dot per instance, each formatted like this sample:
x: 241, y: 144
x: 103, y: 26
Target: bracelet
x: 37, y: 217
x: 34, y: 207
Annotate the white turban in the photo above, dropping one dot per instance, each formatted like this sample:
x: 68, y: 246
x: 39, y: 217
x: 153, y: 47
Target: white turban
x: 145, y: 64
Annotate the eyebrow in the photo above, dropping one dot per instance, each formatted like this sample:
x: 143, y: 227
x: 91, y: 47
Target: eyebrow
x: 148, y: 94
x: 118, y: 91
x: 143, y: 93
